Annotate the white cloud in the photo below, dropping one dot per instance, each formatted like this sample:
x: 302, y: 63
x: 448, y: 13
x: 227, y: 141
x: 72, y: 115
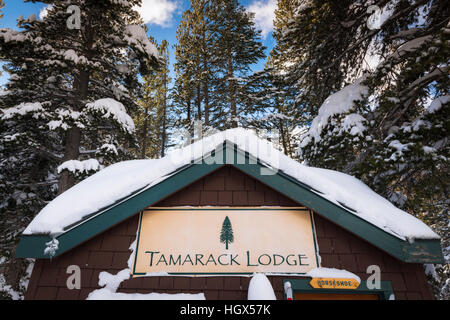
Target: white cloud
x: 44, y: 11
x: 158, y: 12
x: 264, y: 14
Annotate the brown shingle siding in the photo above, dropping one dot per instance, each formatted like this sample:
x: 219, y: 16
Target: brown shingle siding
x: 214, y: 182
x: 240, y: 198
x: 46, y: 293
x: 255, y: 197
x: 135, y: 283
x: 215, y: 283
x: 270, y: 198
x: 150, y: 283
x: 235, y: 181
x: 66, y: 294
x: 225, y: 198
x: 116, y: 243
x: 209, y: 198
x: 232, y: 283
x: 325, y: 245
x: 182, y: 283
x: 198, y: 283
x: 166, y: 283
x: 100, y: 259
x: 190, y: 198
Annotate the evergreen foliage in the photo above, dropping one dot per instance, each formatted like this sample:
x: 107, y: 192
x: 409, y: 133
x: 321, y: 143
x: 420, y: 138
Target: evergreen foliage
x: 393, y: 134
x: 218, y: 42
x: 65, y: 111
x: 154, y: 116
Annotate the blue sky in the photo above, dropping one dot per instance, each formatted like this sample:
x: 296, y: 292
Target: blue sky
x: 161, y: 16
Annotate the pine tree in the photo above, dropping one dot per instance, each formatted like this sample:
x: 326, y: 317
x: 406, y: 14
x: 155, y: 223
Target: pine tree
x: 79, y: 80
x: 312, y: 38
x: 388, y: 125
x: 153, y: 117
x: 237, y: 46
x: 269, y: 104
x: 183, y: 91
x: 64, y: 114
x: 226, y: 234
x: 217, y: 44
x: 2, y: 4
x: 194, y: 65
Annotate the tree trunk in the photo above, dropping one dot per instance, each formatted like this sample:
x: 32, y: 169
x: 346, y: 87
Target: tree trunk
x: 73, y: 137
x: 164, y: 115
x: 205, y: 72
x: 144, y: 134
x: 206, y: 103
x: 199, y: 102
x: 232, y: 91
x: 283, y: 138
x: 188, y: 111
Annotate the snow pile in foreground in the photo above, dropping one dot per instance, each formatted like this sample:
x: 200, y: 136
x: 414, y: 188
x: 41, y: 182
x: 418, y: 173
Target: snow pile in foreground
x: 125, y: 178
x: 108, y: 295
x: 111, y: 283
x: 332, y: 273
x: 260, y: 288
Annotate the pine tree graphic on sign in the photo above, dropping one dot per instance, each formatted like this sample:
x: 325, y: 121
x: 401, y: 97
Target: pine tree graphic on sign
x: 226, y: 235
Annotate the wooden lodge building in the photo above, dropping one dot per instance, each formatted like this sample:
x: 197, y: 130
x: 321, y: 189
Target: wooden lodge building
x: 201, y: 221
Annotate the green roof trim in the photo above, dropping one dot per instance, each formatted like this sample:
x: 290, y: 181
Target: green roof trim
x: 419, y: 251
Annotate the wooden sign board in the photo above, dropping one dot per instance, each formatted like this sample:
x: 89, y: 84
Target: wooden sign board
x: 225, y: 240
x: 333, y: 283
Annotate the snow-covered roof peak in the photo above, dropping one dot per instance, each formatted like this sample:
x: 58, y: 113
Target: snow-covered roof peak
x: 123, y: 179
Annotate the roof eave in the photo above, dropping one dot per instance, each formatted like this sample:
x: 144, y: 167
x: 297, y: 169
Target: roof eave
x: 418, y: 251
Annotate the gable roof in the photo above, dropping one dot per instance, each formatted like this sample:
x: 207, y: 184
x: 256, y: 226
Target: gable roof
x: 121, y: 190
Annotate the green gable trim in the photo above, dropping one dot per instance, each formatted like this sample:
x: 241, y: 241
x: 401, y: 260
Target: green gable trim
x: 419, y: 251
x: 302, y: 286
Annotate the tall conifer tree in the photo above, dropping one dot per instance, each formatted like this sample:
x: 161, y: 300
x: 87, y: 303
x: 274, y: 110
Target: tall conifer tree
x: 66, y: 110
x: 237, y: 46
x: 385, y: 123
x: 218, y: 42
x: 154, y: 116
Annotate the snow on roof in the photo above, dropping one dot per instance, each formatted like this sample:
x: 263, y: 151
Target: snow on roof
x: 123, y: 179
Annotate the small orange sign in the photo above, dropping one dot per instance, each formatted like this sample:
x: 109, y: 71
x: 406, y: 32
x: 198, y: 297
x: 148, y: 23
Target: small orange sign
x: 333, y: 283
